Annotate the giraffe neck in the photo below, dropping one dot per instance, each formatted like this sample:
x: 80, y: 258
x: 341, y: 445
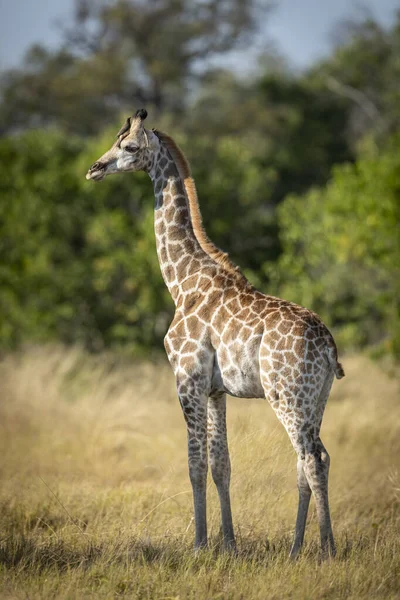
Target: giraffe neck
x: 179, y: 252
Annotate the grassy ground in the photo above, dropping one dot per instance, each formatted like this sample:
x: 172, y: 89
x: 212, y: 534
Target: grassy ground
x: 95, y: 500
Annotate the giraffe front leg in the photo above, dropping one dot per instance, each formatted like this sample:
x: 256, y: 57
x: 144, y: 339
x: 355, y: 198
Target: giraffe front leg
x: 194, y: 407
x: 304, y: 501
x: 220, y: 463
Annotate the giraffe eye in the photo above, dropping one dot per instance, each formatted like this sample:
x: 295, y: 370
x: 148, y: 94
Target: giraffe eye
x: 131, y: 148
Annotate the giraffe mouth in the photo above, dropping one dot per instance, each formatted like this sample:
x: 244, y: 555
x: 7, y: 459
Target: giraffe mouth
x: 95, y: 175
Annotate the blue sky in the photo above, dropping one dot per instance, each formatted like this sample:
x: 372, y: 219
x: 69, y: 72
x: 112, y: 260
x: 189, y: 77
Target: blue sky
x: 300, y: 29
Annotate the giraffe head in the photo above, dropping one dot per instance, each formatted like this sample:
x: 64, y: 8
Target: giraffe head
x: 133, y: 150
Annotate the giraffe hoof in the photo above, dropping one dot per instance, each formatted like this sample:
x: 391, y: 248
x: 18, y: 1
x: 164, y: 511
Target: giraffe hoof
x: 327, y: 554
x: 230, y: 547
x: 199, y: 548
x: 294, y: 553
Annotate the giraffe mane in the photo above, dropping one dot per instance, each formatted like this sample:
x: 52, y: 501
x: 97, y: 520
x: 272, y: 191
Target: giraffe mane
x: 184, y: 171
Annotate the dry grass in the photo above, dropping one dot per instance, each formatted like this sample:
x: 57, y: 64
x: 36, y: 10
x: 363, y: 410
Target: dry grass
x: 96, y: 502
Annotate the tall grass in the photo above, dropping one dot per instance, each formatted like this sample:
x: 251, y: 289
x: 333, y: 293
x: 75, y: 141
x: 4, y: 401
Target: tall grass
x: 95, y: 500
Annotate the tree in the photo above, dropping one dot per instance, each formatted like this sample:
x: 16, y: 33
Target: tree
x: 363, y: 71
x: 121, y: 55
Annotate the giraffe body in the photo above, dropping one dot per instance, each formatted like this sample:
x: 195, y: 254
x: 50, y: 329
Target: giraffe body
x: 227, y: 337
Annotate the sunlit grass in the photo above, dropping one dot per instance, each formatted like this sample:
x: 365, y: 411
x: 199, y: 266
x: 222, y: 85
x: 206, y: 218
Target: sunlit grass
x: 95, y: 499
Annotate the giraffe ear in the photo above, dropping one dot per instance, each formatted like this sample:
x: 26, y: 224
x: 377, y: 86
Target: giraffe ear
x: 152, y: 139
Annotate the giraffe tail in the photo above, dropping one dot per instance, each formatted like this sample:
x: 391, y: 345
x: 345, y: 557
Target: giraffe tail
x: 339, y: 371
x: 332, y: 356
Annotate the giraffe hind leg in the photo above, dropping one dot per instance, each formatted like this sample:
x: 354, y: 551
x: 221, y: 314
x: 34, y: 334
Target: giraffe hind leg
x: 312, y: 459
x: 312, y: 477
x: 312, y: 474
x: 316, y: 469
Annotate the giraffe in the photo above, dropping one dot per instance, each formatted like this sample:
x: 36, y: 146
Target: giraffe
x: 228, y: 338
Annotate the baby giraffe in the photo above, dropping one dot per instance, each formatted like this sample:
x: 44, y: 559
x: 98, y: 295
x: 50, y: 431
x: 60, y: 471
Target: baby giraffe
x: 228, y: 338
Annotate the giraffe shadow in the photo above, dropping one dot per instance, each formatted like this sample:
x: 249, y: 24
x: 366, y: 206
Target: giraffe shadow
x: 55, y: 554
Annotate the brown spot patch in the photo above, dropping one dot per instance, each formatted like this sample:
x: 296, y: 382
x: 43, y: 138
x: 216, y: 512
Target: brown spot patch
x: 194, y: 326
x: 176, y: 234
x: 189, y: 347
x: 272, y: 319
x: 284, y: 327
x: 246, y: 299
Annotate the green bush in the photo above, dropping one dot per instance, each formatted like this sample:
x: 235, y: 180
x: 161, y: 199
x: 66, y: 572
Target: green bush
x: 341, y: 249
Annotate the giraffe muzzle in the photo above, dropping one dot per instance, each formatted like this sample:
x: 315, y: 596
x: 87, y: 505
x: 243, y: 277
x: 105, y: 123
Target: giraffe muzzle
x: 96, y: 172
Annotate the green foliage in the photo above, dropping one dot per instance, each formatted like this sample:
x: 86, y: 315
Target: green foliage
x: 341, y: 249
x: 36, y: 231
x: 276, y: 135
x: 78, y: 263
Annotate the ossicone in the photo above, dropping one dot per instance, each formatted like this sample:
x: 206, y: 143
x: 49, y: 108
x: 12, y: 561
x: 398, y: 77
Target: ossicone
x: 141, y: 113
